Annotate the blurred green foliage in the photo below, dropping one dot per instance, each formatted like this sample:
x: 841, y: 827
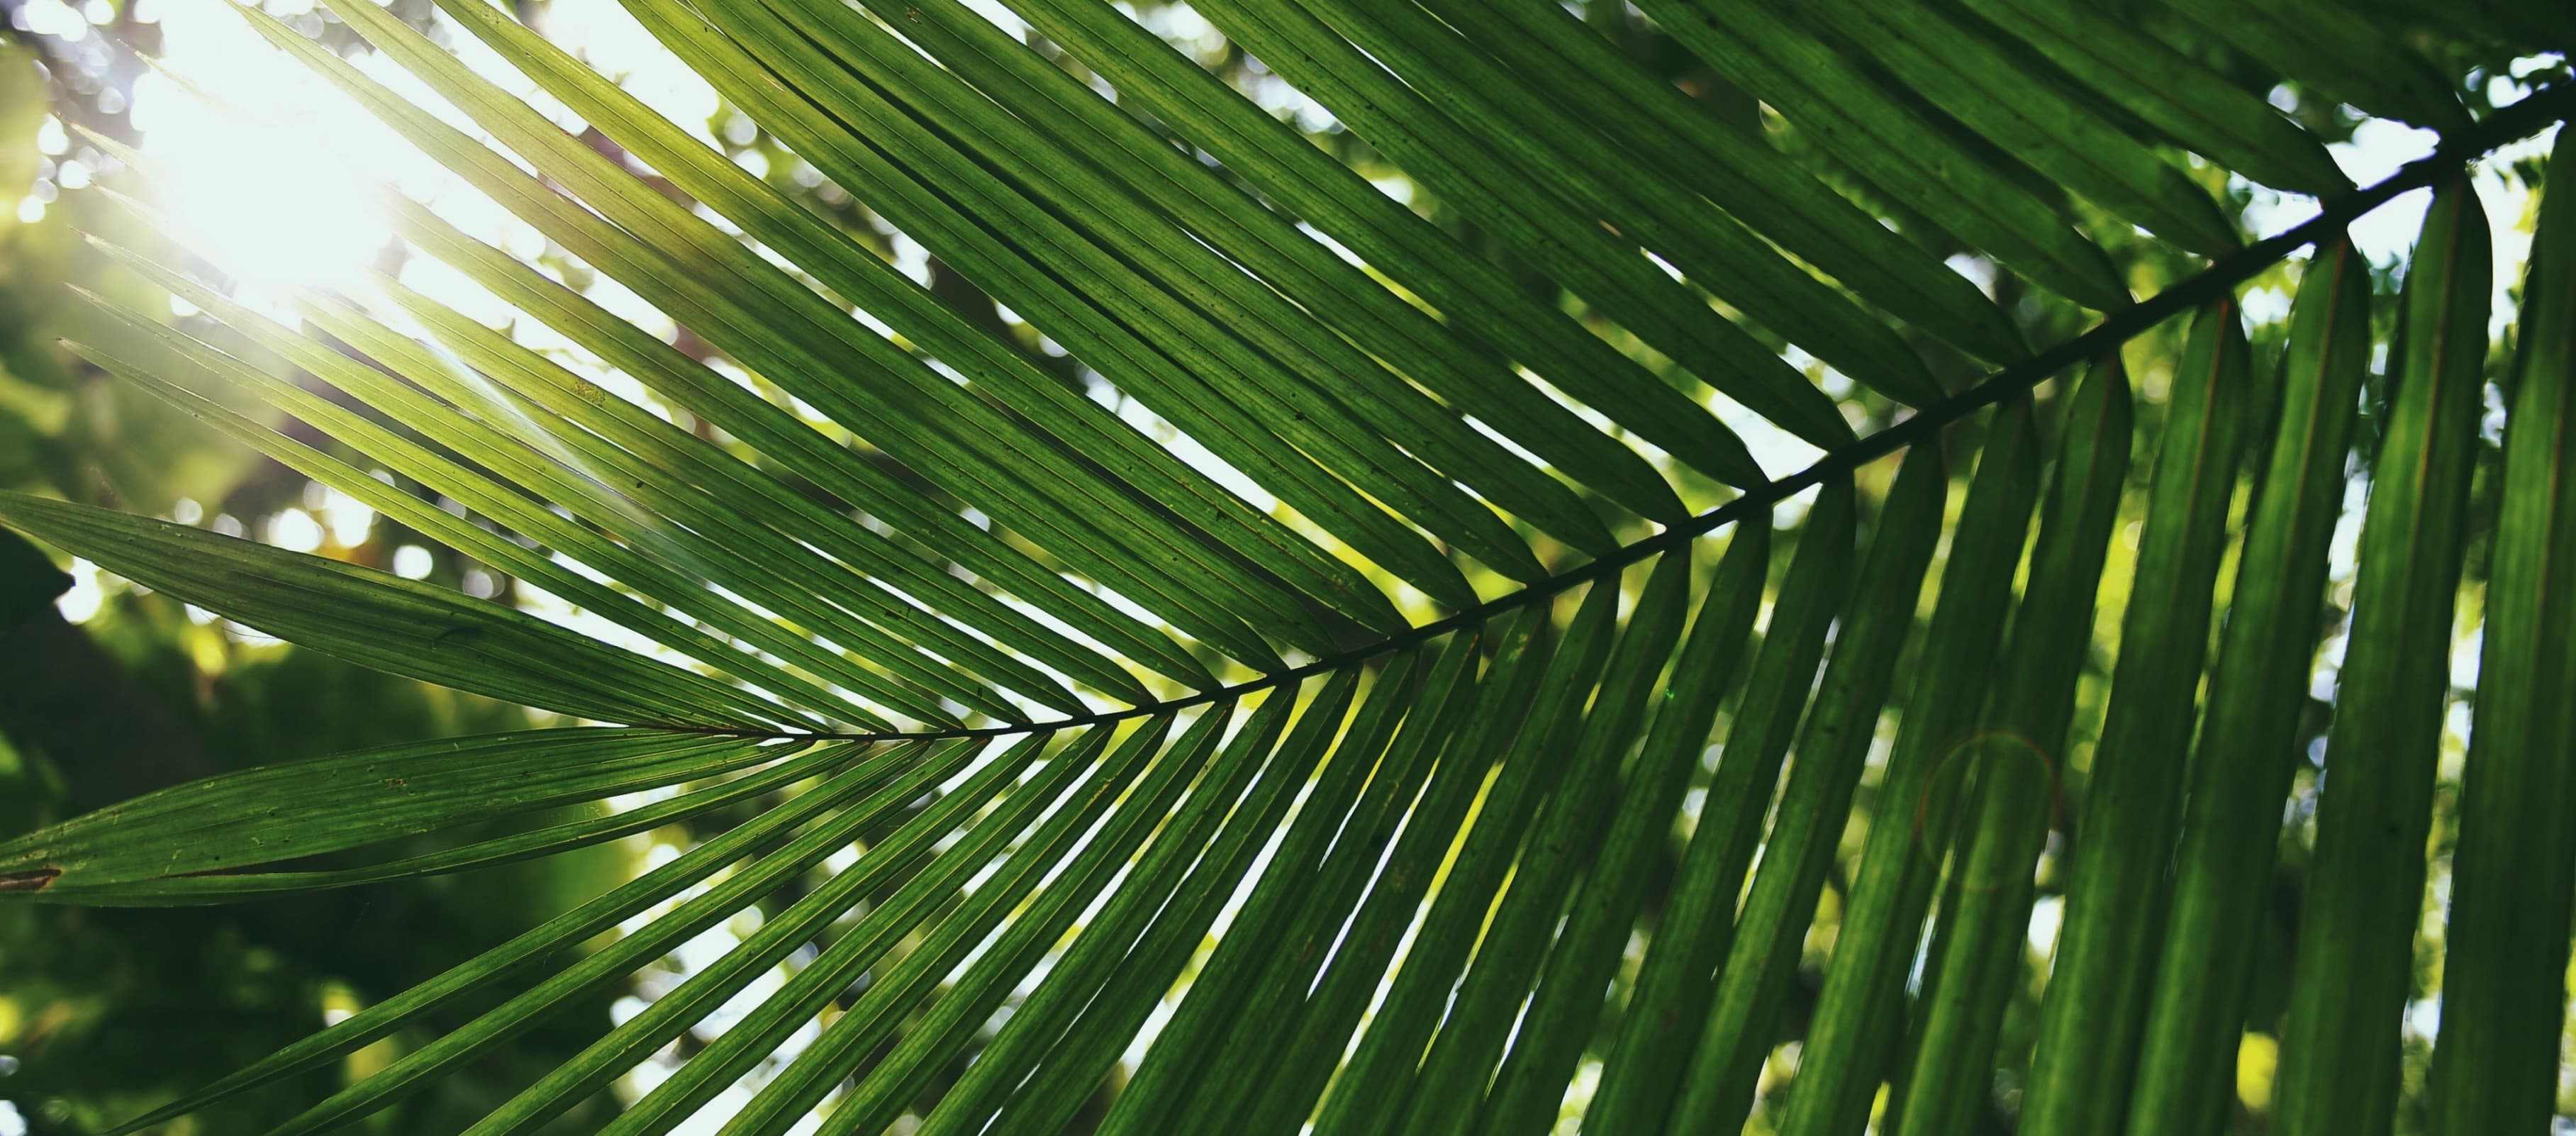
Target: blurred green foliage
x: 104, y: 1013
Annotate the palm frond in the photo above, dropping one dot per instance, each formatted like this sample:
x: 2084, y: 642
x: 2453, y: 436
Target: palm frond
x: 1292, y: 686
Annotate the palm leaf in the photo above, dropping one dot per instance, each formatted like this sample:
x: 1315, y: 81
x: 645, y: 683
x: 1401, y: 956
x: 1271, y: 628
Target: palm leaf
x: 1323, y: 761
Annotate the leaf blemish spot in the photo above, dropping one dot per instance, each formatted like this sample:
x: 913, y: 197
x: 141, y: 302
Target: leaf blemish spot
x: 33, y: 879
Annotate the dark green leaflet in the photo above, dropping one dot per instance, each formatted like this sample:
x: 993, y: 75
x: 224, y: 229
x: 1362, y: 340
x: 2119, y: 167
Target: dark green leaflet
x: 1673, y: 988
x: 1293, y: 948
x: 859, y: 275
x: 1562, y: 840
x: 2510, y: 879
x: 2242, y: 766
x: 1084, y: 969
x: 1443, y: 359
x: 1306, y: 379
x: 909, y: 173
x: 522, y: 474
x: 810, y: 454
x: 1453, y: 279
x: 517, y: 473
x: 1568, y: 998
x: 2008, y: 800
x: 2339, y: 1047
x: 1773, y: 58
x: 835, y: 969
x: 513, y: 958
x: 2133, y: 794
x: 673, y: 471
x: 1354, y: 756
x: 1806, y: 828
x: 1171, y: 1071
x: 886, y: 1090
x: 1652, y: 207
x: 384, y: 621
x: 867, y: 821
x: 310, y: 808
x: 1736, y: 169
x: 1848, y: 1040
x: 583, y: 832
x: 1250, y: 356
x: 789, y: 334
x: 2348, y: 60
x: 1062, y: 1086
x: 1341, y: 993
x: 1075, y: 808
x: 2029, y: 118
x: 1387, y: 1071
x: 1529, y: 212
x: 2170, y: 90
x: 456, y: 532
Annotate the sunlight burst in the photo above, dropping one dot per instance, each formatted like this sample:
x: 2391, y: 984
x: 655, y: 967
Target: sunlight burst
x: 257, y: 166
